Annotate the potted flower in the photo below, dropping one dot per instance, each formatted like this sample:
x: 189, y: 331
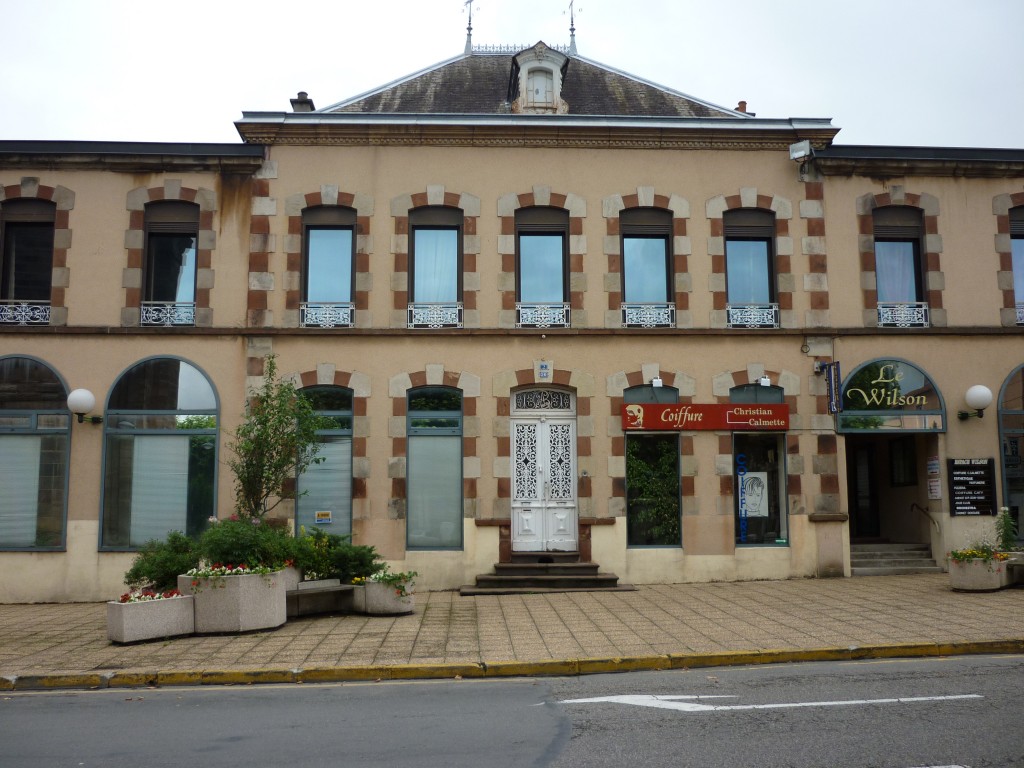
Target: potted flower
x: 385, y: 593
x: 236, y: 598
x: 152, y: 607
x: 147, y: 615
x: 978, y: 568
x: 241, y: 583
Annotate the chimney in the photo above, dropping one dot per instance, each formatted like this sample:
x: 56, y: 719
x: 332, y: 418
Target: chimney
x: 741, y: 107
x: 303, y: 103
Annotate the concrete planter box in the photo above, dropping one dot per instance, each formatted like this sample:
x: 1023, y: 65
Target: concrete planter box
x: 380, y: 600
x: 292, y: 577
x: 150, y: 619
x: 237, y: 603
x: 977, y: 575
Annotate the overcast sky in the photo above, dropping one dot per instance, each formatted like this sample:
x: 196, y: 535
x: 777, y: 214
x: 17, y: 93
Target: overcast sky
x: 904, y: 72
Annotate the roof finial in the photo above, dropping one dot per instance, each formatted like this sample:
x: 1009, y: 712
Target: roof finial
x: 469, y: 27
x: 572, y: 27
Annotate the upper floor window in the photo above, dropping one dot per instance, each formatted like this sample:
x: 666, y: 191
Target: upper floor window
x: 899, y: 269
x: 26, y: 261
x: 1017, y: 255
x: 542, y: 268
x: 647, y: 282
x: 328, y: 273
x: 160, y: 453
x: 750, y: 268
x: 34, y: 445
x: 435, y: 267
x: 169, y: 271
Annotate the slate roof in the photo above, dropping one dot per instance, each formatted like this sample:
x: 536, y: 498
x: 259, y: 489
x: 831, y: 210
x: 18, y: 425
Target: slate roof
x: 478, y: 83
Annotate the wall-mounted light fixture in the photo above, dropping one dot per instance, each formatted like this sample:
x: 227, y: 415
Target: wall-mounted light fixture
x: 978, y: 397
x: 80, y: 402
x: 764, y: 381
x: 656, y: 381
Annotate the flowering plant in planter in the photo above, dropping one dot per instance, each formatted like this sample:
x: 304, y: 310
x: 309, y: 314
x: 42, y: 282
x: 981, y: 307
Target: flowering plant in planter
x: 402, y: 582
x: 146, y: 595
x: 983, y: 551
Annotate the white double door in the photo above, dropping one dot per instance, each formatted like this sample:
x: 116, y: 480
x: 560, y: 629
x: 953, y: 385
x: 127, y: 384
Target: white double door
x: 544, y: 510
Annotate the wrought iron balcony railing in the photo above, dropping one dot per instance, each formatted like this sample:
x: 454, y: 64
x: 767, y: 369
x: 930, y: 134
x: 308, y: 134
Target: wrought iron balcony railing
x: 15, y: 312
x: 423, y: 314
x: 327, y: 314
x: 752, y: 315
x: 908, y: 314
x: 168, y: 313
x: 648, y: 315
x: 542, y: 315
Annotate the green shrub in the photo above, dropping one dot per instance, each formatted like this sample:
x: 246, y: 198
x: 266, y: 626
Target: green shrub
x: 249, y: 541
x: 329, y: 556
x: 158, y: 563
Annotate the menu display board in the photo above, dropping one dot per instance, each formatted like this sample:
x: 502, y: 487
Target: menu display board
x: 972, y: 486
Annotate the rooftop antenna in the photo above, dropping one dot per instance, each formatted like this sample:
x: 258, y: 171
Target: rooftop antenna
x: 572, y: 27
x: 469, y: 27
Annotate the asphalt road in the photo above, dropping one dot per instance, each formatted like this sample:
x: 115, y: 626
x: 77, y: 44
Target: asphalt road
x: 963, y: 711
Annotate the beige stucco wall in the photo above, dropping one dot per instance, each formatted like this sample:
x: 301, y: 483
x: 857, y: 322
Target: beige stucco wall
x: 95, y: 350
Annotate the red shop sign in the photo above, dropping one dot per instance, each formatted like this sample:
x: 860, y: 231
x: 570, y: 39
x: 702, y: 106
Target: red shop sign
x: 748, y: 417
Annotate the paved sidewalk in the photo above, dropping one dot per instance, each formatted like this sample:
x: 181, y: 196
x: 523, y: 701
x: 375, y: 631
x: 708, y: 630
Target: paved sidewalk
x: 656, y: 627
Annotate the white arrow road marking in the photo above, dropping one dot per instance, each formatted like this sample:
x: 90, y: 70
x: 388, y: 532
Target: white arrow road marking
x: 673, y: 702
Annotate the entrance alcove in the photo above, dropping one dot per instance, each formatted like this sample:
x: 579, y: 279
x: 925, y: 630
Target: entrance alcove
x: 891, y: 418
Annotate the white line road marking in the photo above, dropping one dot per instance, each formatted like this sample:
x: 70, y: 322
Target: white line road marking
x: 677, y: 703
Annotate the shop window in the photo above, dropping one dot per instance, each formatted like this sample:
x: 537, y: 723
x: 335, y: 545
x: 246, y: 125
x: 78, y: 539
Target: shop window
x: 759, y: 476
x: 26, y: 261
x: 435, y: 268
x: 328, y: 267
x: 169, y: 274
x: 34, y: 443
x: 434, y: 468
x: 1017, y: 256
x: 647, y: 282
x: 652, y: 478
x: 899, y: 270
x: 542, y: 268
x: 750, y: 268
x: 160, y: 453
x: 324, y: 499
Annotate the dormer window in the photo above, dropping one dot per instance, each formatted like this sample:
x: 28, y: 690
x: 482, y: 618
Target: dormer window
x: 535, y: 85
x: 540, y: 88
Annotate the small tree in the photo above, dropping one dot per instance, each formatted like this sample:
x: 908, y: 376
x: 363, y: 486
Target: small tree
x: 276, y: 443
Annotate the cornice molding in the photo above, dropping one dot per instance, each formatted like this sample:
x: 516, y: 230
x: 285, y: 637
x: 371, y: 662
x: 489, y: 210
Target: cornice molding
x: 533, y: 136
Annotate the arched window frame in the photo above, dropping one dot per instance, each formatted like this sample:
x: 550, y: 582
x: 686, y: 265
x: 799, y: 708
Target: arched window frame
x: 50, y: 428
x: 134, y: 424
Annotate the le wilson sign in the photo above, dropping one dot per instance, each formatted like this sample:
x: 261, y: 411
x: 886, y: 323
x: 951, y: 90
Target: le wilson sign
x: 745, y: 417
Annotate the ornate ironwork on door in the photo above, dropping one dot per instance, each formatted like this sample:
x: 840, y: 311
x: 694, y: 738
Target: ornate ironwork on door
x: 543, y: 400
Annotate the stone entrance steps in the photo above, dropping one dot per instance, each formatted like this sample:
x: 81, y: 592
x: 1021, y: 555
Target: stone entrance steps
x: 537, y: 572
x: 891, y: 559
